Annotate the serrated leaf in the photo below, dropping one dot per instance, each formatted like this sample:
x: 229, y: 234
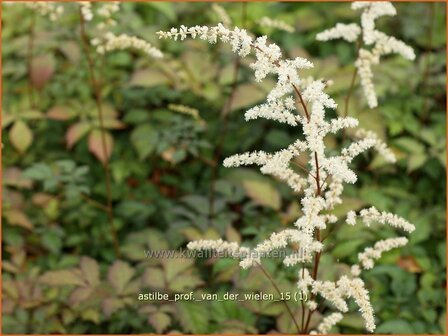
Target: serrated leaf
x: 175, y: 266
x: 61, y: 277
x: 247, y: 95
x: 160, y: 321
x: 184, y: 281
x: 75, y: 133
x: 194, y: 317
x: 90, y: 270
x: 42, y: 69
x: 148, y: 78
x: 101, y: 150
x: 144, y: 139
x: 119, y: 275
x: 263, y: 193
x: 62, y: 113
x: 18, y: 218
x: 111, y: 305
x: 395, y: 327
x: 80, y: 294
x: 20, y: 136
x: 154, y: 278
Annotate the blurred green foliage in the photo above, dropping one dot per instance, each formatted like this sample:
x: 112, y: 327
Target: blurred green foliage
x: 60, y: 272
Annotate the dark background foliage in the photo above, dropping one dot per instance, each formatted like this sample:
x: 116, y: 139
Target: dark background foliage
x: 61, y: 273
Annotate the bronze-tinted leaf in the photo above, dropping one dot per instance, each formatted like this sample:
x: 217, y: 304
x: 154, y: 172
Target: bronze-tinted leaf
x: 80, y: 294
x: 76, y: 132
x: 119, y: 276
x: 101, y: 150
x: 60, y: 112
x: 409, y: 264
x: 17, y: 217
x: 263, y: 193
x: 246, y: 95
x: 90, y: 270
x: 20, y: 136
x: 148, y: 78
x: 111, y: 305
x: 154, y: 278
x: 175, y: 266
x: 13, y: 176
x: 61, y: 277
x: 42, y: 69
x: 160, y: 321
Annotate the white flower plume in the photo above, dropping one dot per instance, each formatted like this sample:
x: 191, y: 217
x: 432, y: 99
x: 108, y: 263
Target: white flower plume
x: 376, y: 43
x: 303, y: 104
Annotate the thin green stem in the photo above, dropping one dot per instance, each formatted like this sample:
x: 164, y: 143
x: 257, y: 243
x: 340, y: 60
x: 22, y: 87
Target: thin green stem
x: 266, y: 273
x: 96, y: 88
x: 30, y: 55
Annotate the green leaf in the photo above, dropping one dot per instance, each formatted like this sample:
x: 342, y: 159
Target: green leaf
x: 160, y: 321
x: 194, y: 317
x: 442, y: 322
x: 144, y: 138
x: 175, y: 266
x: 410, y: 145
x: 263, y: 193
x: 416, y: 161
x: 347, y: 248
x: 166, y: 8
x: 154, y: 278
x: 119, y: 275
x: 247, y: 95
x: 352, y: 320
x: 90, y: 269
x: 395, y: 327
x: 148, y: 78
x: 61, y: 277
x: 20, y: 136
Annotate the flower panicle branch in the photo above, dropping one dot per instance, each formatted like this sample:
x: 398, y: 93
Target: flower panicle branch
x: 326, y: 174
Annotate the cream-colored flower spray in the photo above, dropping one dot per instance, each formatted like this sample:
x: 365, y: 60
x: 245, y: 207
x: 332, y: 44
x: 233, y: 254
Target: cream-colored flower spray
x: 372, y: 44
x: 304, y: 107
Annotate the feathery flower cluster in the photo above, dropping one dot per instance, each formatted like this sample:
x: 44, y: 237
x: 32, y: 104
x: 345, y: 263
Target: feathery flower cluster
x: 106, y: 11
x: 277, y: 24
x: 370, y: 254
x: 349, y: 32
x: 354, y: 288
x: 44, y: 8
x: 380, y: 146
x: 86, y: 10
x: 327, y: 323
x: 185, y: 110
x: 372, y: 215
x: 222, y: 15
x: 220, y: 246
x: 111, y: 42
x: 382, y: 43
x: 329, y: 291
x: 319, y: 196
x: 279, y: 110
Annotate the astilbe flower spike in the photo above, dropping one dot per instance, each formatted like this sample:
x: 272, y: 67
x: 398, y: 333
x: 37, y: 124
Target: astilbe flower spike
x: 376, y: 43
x: 324, y: 183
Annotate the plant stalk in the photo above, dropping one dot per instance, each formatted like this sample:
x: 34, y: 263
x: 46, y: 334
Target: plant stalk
x: 266, y: 273
x: 30, y: 55
x: 96, y: 88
